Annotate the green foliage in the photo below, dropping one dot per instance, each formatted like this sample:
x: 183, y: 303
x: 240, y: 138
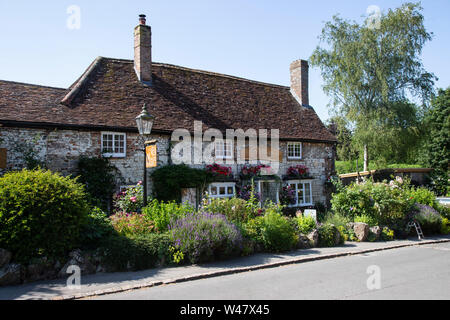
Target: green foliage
x: 437, y: 140
x: 306, y: 224
x: 277, y: 233
x: 30, y: 154
x: 169, y: 180
x: 96, y: 227
x: 371, y: 221
x: 371, y: 72
x: 422, y: 196
x: 382, y: 203
x: 430, y: 220
x: 387, y: 234
x: 98, y: 176
x: 445, y: 227
x: 41, y: 213
x: 337, y: 219
x: 163, y: 213
x: 343, y: 167
x: 132, y: 224
x: 235, y: 209
x: 328, y: 234
x: 135, y: 253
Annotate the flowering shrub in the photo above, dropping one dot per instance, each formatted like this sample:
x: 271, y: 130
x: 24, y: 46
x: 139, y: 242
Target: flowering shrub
x: 287, y: 196
x: 384, y: 203
x: 246, y: 192
x: 298, y: 171
x: 129, y: 224
x: 219, y: 171
x: 202, y: 237
x: 249, y: 172
x: 130, y: 200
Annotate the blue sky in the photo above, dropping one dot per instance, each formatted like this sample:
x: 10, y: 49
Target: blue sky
x: 254, y: 39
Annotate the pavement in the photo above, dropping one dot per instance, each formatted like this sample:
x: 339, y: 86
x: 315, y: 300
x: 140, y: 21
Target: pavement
x: 110, y: 283
x: 408, y: 273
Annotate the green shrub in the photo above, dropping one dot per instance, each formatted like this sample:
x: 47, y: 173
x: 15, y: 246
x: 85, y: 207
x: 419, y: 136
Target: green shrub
x: 203, y: 237
x: 306, y: 224
x: 366, y: 219
x: 422, y: 196
x: 328, y: 234
x: 41, y: 213
x: 387, y: 234
x: 169, y: 180
x: 98, y: 176
x: 134, y: 253
x: 278, y: 235
x: 337, y: 219
x: 163, y: 213
x: 429, y: 219
x: 445, y: 227
x: 96, y: 227
x: 235, y: 209
x: 132, y: 224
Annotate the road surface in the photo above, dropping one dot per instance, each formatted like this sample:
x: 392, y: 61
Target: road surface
x: 420, y: 272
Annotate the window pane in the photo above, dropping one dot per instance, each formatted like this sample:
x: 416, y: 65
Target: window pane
x: 300, y: 194
x: 222, y: 191
x: 214, y: 191
x: 230, y: 191
x: 308, y: 193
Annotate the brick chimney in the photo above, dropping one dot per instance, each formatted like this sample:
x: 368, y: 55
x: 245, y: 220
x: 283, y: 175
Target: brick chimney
x: 143, y: 50
x: 299, y: 81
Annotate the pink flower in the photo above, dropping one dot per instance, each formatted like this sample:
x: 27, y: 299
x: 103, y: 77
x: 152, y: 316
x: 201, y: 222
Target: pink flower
x: 133, y: 199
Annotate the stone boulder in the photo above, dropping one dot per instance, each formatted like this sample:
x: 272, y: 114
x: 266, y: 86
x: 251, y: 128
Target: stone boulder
x: 5, y: 257
x: 376, y: 231
x: 361, y: 231
x: 83, y: 261
x: 41, y: 269
x: 313, y: 238
x: 303, y: 242
x: 11, y: 275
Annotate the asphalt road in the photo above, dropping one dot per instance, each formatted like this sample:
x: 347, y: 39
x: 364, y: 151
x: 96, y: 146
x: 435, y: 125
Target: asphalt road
x: 421, y: 272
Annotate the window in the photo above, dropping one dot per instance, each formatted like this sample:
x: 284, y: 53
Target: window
x: 224, y: 149
x: 294, y: 150
x: 303, y: 192
x: 222, y: 190
x: 114, y: 144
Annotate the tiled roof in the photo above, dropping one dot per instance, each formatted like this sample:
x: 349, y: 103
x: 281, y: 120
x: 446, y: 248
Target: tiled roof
x: 109, y: 94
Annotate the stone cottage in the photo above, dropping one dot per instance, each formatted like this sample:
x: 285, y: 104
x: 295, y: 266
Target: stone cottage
x: 96, y: 117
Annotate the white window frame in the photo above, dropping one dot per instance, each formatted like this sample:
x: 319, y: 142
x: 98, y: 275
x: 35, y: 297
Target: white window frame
x: 295, y: 156
x: 114, y: 136
x: 223, y: 149
x: 303, y: 184
x: 219, y: 185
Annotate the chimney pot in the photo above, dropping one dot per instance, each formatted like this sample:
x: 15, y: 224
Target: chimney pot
x: 142, y: 19
x: 299, y: 81
x: 143, y: 50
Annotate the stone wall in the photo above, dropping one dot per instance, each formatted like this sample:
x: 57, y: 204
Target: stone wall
x: 60, y: 150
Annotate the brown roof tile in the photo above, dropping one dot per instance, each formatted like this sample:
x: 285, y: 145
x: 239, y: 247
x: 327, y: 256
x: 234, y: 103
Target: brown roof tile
x: 110, y: 95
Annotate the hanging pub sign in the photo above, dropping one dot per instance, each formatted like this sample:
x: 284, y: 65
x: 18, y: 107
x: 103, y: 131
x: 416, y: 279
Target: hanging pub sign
x: 151, y: 154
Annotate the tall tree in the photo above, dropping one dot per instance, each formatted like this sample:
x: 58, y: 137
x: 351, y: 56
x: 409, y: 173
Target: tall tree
x: 369, y: 68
